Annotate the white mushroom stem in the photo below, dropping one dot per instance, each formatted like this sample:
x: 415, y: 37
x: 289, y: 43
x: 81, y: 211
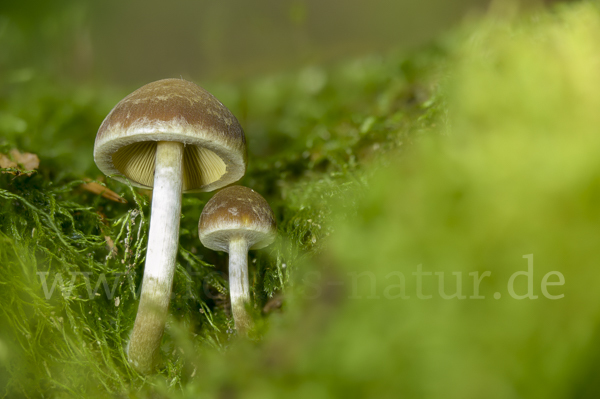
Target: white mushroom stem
x: 239, y: 287
x: 163, y: 241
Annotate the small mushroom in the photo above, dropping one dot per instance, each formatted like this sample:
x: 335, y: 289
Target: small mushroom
x: 171, y: 136
x: 235, y: 220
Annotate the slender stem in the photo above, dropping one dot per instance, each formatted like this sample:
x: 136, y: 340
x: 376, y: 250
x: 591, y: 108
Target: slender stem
x: 239, y: 288
x: 163, y: 240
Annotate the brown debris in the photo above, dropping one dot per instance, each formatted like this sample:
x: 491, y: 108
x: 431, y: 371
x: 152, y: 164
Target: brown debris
x: 21, y: 163
x: 96, y: 188
x: 110, y: 245
x: 273, y: 304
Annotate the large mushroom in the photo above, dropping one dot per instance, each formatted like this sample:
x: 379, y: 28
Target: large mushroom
x: 235, y: 220
x: 171, y: 136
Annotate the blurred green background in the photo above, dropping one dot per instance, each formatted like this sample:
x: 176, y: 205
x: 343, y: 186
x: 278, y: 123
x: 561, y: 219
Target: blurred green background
x: 134, y: 42
x: 451, y: 138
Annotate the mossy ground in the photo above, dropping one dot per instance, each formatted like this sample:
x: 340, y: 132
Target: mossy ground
x: 460, y: 157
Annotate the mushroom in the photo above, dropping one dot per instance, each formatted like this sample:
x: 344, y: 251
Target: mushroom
x: 171, y: 136
x: 235, y: 220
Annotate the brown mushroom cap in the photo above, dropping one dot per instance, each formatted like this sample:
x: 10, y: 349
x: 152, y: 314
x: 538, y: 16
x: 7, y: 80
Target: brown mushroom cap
x: 236, y: 211
x: 172, y: 110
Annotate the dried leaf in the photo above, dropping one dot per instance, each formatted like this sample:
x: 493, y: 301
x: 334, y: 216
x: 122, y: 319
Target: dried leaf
x: 96, y: 188
x: 28, y: 160
x: 19, y: 163
x: 110, y: 245
x: 6, y: 162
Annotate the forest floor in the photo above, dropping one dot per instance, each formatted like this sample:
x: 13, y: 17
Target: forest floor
x: 463, y: 156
